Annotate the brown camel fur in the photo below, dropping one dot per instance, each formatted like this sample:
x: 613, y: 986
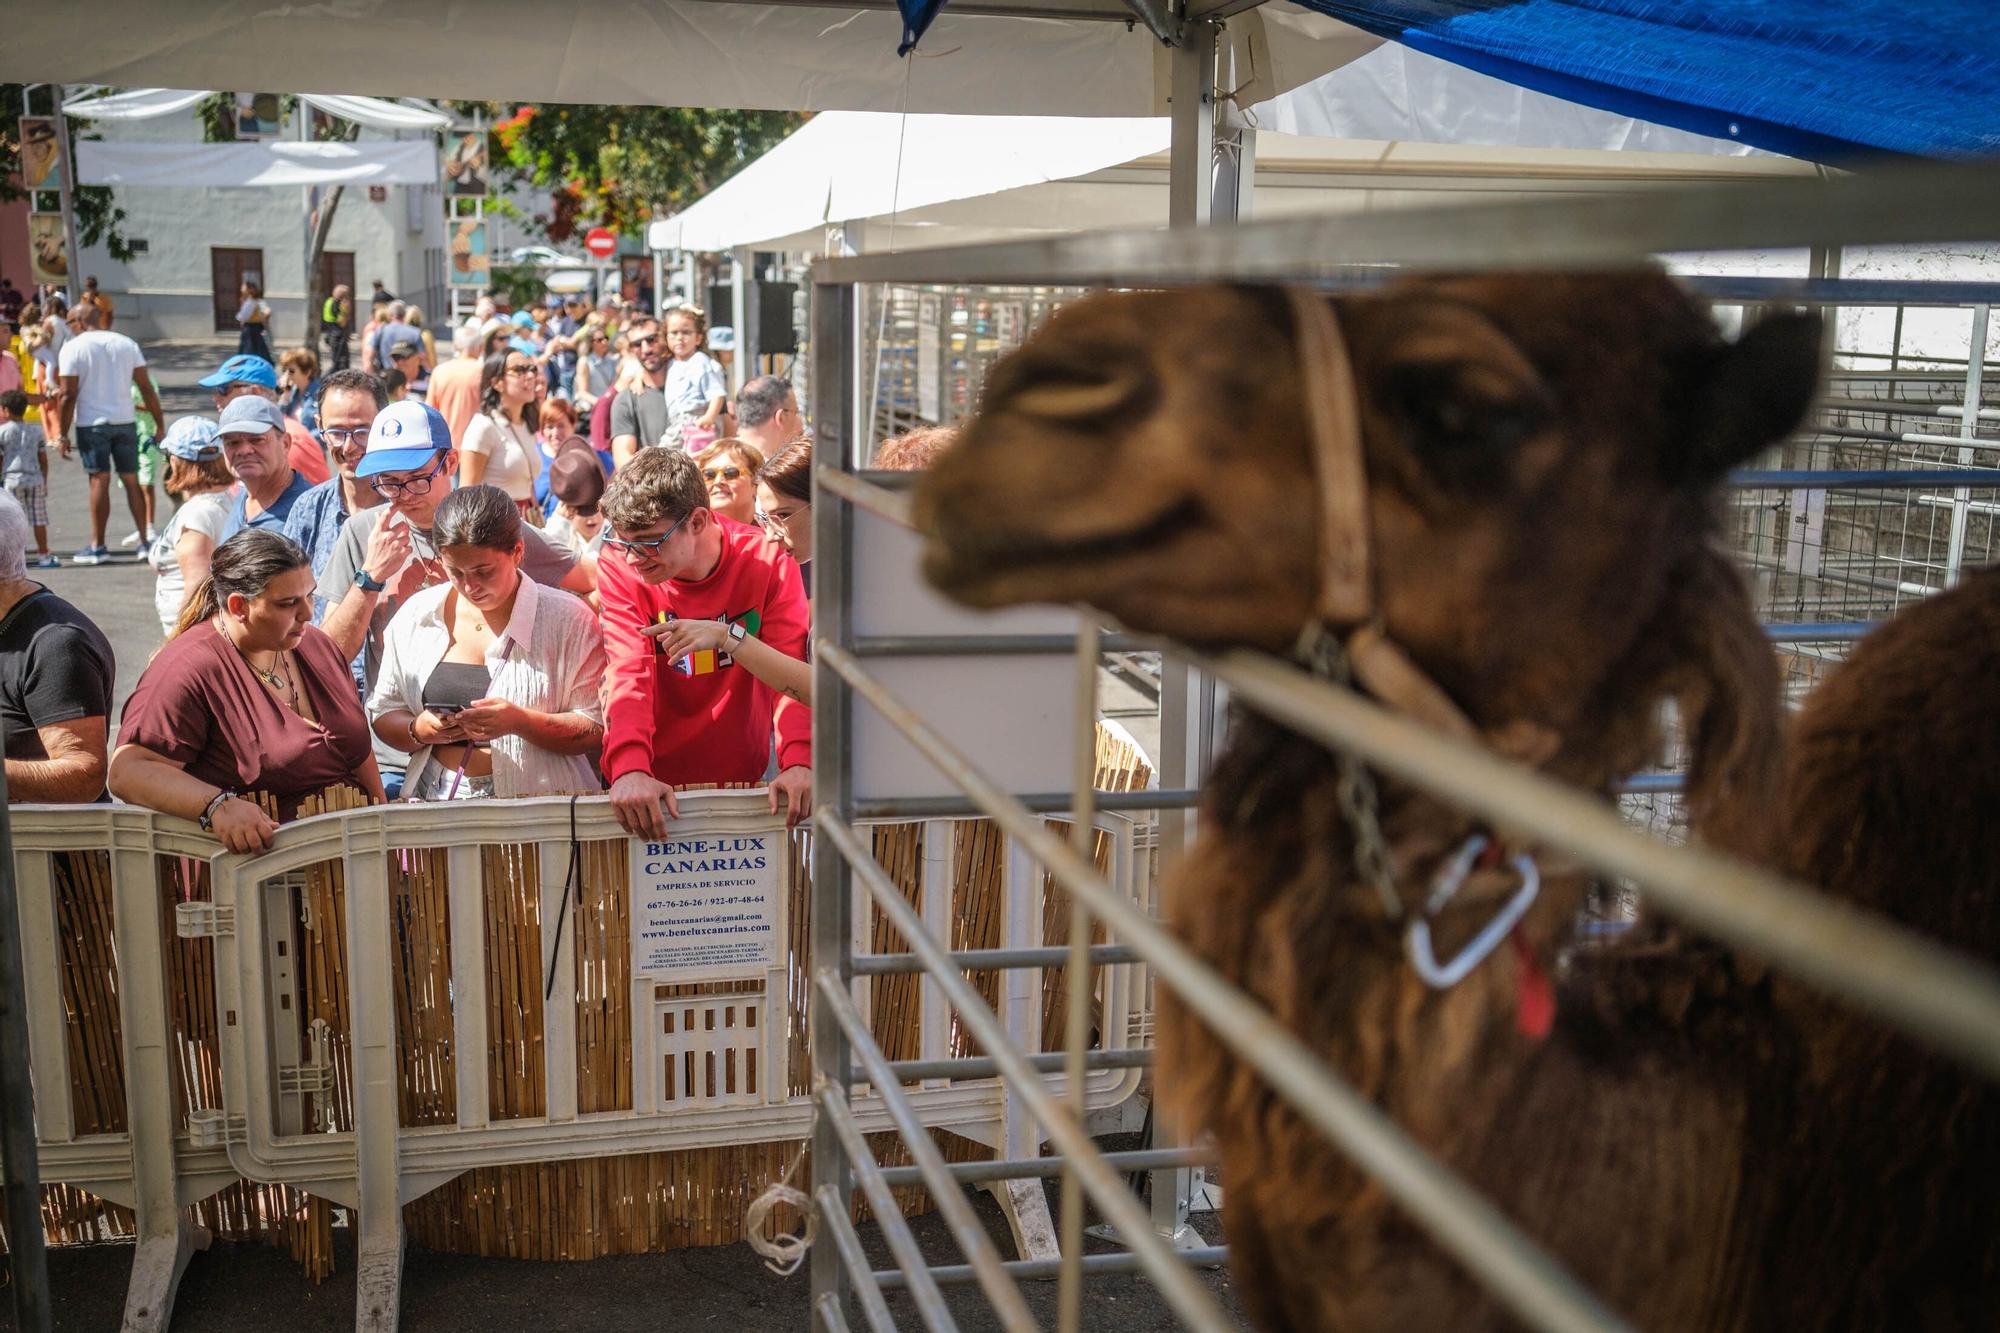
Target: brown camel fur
x: 1891, y: 803
x: 1542, y: 456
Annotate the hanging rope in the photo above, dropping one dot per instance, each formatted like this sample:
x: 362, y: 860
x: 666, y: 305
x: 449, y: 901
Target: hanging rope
x: 784, y: 1253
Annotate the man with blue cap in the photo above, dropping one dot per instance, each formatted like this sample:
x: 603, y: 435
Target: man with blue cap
x: 253, y: 444
x: 245, y: 373
x: 387, y: 554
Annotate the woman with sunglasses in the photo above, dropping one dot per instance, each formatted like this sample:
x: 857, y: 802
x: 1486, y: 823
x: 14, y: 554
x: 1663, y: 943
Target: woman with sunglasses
x: 729, y: 468
x: 596, y: 369
x: 499, y: 446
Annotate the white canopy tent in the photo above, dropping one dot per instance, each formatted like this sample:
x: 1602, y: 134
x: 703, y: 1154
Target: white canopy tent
x: 150, y: 103
x: 1055, y: 57
x: 275, y: 162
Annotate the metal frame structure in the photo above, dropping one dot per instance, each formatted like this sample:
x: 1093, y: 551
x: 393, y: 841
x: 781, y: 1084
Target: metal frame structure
x: 1922, y: 987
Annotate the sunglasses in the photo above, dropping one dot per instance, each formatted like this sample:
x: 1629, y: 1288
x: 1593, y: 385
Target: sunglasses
x: 523, y: 368
x: 419, y: 485
x: 726, y: 473
x: 646, y: 341
x: 635, y: 547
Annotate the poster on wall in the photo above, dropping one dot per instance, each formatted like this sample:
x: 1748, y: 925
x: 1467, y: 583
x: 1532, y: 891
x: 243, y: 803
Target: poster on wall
x: 48, y: 255
x: 259, y: 116
x: 465, y: 168
x: 41, y: 159
x: 471, y: 265
x: 706, y: 903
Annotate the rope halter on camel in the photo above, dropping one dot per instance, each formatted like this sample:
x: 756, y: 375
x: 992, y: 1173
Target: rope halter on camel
x: 1346, y: 642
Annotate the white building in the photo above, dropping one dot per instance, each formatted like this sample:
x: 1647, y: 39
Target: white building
x: 197, y: 244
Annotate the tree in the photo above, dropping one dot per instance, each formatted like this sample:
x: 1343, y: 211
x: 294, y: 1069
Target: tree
x: 620, y: 166
x: 217, y: 113
x: 98, y: 217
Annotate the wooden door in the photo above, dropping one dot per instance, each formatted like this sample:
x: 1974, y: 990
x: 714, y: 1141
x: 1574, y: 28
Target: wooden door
x: 335, y: 267
x: 228, y: 268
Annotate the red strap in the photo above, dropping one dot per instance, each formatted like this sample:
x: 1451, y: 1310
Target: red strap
x: 1534, y: 996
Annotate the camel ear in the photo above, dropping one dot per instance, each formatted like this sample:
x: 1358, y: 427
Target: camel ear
x: 1724, y: 678
x: 1754, y: 391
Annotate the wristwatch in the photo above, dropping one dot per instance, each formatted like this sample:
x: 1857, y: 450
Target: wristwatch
x: 737, y: 634
x: 367, y: 582
x: 207, y: 820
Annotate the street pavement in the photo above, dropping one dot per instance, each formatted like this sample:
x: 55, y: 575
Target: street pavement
x: 243, y: 1287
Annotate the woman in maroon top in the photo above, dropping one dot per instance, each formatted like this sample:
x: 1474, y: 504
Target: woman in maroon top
x: 247, y: 696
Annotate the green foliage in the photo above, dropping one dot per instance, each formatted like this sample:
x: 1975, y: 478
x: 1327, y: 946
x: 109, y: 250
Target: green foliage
x: 517, y: 285
x: 98, y: 217
x: 621, y: 166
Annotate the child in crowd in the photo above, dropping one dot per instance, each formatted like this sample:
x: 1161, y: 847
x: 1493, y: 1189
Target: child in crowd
x: 25, y: 450
x: 576, y: 481
x: 695, y: 388
x: 397, y: 383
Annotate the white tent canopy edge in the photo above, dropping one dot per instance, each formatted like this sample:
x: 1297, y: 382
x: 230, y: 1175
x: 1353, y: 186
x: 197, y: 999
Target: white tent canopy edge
x: 667, y: 53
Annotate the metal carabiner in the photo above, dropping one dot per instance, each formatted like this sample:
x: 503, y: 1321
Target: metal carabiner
x: 1449, y: 880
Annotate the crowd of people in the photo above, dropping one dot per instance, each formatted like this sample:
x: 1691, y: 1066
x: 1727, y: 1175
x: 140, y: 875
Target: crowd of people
x: 543, y: 564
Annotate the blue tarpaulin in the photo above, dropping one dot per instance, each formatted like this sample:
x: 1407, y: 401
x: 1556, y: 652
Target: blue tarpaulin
x: 1826, y: 80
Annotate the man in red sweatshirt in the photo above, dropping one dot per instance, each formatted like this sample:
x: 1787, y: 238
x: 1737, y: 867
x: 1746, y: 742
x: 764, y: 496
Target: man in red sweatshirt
x: 697, y: 717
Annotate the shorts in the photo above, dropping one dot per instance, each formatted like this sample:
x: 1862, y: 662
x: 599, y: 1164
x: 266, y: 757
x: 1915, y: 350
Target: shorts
x: 34, y: 498
x: 152, y: 464
x: 438, y: 783
x: 109, y: 448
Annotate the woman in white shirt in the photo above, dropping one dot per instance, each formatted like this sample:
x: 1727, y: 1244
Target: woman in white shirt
x: 490, y: 682
x: 200, y: 481
x: 499, y: 444
x: 254, y: 318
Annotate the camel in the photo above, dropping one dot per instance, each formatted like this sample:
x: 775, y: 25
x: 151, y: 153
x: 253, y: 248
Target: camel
x: 1541, y: 456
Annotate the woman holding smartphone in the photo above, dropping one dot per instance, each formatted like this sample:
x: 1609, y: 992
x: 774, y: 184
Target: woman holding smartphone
x: 490, y: 681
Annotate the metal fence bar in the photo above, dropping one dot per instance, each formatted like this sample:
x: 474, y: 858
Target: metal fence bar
x: 1931, y: 992
x: 1114, y: 1201
x: 984, y: 645
x: 1203, y: 1256
x: 888, y: 1213
x: 1960, y: 204
x: 988, y: 960
x: 1875, y: 479
x: 1464, y: 1223
x: 1076, y: 1026
x: 866, y: 494
x: 965, y: 1226
x: 1050, y: 802
x: 1032, y: 1168
x: 1047, y: 1062
x: 847, y: 1250
x: 831, y: 938
x: 1823, y: 631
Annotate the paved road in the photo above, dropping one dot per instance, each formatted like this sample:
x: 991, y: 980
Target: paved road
x: 239, y: 1287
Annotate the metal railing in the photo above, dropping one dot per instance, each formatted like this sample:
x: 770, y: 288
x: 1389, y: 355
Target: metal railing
x: 1928, y: 990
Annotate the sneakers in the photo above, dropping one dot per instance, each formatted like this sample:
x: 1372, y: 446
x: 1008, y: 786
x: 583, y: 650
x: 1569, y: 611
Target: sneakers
x: 45, y: 562
x: 91, y: 555
x: 134, y: 538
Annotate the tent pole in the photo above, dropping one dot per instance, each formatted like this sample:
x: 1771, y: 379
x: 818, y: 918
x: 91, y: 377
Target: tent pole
x: 1192, y: 110
x: 739, y: 307
x: 73, y: 287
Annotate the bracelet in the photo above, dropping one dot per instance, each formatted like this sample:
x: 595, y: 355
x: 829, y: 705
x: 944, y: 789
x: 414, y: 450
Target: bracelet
x: 207, y: 820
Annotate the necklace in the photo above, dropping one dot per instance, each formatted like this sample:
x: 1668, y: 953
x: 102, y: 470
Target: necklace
x: 280, y: 680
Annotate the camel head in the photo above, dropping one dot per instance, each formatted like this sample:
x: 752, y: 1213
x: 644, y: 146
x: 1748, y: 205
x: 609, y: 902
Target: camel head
x: 1542, y: 454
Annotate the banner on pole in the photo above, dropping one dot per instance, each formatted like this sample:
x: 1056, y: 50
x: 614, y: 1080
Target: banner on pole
x: 466, y: 173
x: 471, y: 263
x: 41, y: 157
x: 48, y: 253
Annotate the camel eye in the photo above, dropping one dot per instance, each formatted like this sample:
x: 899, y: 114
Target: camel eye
x: 1453, y: 413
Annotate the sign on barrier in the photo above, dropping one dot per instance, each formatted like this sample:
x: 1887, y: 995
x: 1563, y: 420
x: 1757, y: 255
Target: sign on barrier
x: 705, y: 908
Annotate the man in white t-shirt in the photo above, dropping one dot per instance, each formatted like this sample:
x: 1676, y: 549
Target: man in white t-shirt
x: 98, y: 369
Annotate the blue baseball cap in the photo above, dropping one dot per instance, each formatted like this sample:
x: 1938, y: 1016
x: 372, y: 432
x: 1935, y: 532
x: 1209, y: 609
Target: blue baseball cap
x: 405, y: 436
x: 243, y: 368
x: 192, y: 439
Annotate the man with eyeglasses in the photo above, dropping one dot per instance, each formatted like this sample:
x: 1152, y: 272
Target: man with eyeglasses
x: 244, y: 374
x: 639, y: 417
x: 693, y: 717
x: 349, y: 401
x: 387, y: 554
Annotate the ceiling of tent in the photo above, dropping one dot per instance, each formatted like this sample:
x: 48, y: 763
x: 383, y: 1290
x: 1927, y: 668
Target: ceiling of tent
x: 1065, y: 57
